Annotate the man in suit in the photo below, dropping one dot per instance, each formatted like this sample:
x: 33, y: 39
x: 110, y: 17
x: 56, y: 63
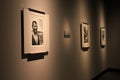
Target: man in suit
x: 35, y: 35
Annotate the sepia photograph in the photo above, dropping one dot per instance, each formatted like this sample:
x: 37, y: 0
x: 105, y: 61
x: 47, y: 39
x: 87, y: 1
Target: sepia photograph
x: 37, y: 33
x: 85, y: 34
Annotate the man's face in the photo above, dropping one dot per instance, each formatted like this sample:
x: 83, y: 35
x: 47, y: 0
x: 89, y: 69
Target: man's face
x: 35, y: 28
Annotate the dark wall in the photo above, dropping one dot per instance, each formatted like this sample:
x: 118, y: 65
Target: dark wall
x: 113, y: 37
x: 65, y: 60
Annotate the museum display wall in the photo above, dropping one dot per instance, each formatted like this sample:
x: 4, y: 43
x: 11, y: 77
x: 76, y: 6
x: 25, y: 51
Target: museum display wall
x: 113, y: 18
x: 65, y: 60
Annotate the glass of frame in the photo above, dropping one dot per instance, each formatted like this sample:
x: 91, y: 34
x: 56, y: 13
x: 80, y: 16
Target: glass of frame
x: 36, y: 31
x: 102, y: 36
x: 85, y: 35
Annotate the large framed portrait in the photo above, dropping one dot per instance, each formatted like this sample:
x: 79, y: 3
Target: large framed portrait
x: 36, y: 31
x: 85, y: 35
x: 102, y: 36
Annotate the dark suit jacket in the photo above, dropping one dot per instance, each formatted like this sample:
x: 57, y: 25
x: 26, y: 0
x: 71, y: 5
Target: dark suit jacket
x: 34, y: 42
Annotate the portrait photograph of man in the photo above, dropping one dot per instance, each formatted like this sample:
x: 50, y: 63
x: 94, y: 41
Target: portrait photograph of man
x: 37, y: 33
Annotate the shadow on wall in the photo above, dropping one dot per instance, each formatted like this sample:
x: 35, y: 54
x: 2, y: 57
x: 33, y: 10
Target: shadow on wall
x: 30, y: 57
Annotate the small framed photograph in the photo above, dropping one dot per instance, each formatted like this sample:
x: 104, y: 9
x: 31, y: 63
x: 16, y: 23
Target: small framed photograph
x: 36, y: 31
x: 102, y: 36
x: 85, y: 35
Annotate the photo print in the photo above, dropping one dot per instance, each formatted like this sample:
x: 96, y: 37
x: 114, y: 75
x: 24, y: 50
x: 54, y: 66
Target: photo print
x: 85, y: 35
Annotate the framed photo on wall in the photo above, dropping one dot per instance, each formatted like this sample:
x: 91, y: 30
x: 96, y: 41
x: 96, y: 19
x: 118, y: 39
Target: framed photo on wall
x: 102, y: 36
x: 85, y: 35
x: 36, y: 31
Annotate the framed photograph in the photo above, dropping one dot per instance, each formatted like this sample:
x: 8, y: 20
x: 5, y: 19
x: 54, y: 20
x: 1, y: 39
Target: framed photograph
x: 85, y: 35
x: 36, y: 31
x: 102, y: 36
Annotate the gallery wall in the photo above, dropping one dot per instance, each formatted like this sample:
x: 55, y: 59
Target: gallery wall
x: 65, y: 59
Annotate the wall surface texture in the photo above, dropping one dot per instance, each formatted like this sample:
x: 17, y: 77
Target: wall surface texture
x: 113, y: 37
x: 65, y: 60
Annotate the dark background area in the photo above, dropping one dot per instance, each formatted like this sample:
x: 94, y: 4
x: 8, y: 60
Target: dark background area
x: 112, y: 8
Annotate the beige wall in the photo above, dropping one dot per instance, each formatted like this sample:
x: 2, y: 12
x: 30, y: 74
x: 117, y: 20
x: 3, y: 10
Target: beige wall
x: 65, y: 60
